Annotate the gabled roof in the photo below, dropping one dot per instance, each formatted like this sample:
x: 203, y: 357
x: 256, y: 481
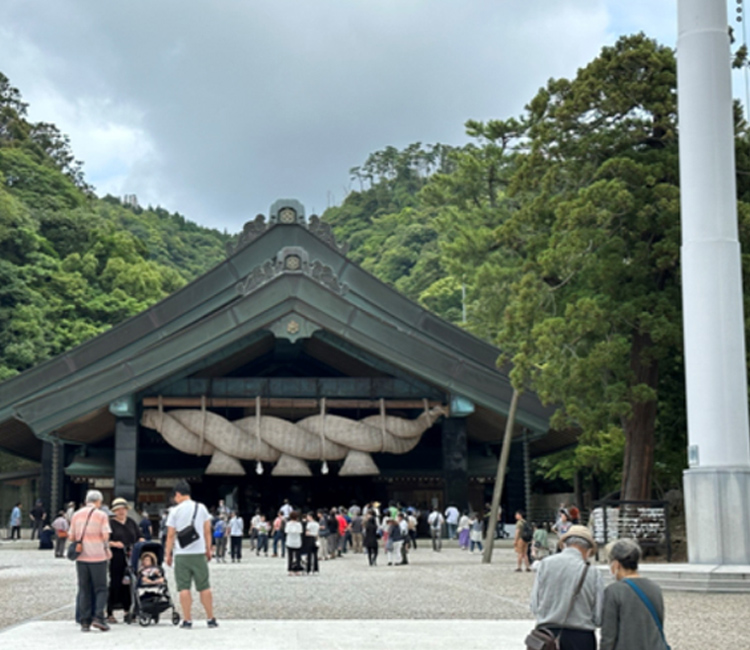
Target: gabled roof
x: 278, y: 279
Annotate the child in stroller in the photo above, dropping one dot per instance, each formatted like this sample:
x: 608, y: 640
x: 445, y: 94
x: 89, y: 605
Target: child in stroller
x: 150, y: 576
x: 149, y: 586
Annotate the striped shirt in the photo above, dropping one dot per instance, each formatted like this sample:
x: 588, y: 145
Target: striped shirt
x: 96, y: 535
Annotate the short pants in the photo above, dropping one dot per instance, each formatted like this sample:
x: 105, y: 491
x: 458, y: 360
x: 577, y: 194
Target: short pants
x: 189, y: 568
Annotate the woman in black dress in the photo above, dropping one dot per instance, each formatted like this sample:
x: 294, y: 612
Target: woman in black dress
x: 371, y: 539
x: 125, y: 533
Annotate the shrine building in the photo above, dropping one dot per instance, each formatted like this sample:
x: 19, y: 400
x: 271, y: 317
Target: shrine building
x: 286, y: 371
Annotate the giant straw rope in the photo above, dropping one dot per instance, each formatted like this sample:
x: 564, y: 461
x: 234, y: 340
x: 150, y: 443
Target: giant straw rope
x: 271, y: 439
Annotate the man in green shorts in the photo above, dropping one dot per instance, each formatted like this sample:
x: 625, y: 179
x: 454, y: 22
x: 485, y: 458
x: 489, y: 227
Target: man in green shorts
x: 191, y: 556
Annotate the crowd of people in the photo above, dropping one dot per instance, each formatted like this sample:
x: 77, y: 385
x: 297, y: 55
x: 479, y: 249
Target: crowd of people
x: 568, y: 599
x: 307, y: 538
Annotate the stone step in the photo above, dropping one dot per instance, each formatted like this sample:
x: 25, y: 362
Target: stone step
x: 696, y: 577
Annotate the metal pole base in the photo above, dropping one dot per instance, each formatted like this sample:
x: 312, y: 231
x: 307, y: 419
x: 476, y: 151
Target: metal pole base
x: 717, y: 515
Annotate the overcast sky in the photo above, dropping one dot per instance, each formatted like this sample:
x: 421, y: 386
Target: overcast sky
x: 216, y: 108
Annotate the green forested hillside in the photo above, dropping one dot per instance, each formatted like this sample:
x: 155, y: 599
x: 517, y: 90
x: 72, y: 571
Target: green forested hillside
x: 72, y: 264
x: 562, y: 228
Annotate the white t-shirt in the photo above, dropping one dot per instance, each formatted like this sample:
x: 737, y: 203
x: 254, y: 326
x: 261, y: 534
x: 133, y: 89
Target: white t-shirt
x: 312, y: 528
x: 181, y: 516
x: 293, y: 534
x: 286, y: 510
x: 451, y: 515
x: 236, y: 526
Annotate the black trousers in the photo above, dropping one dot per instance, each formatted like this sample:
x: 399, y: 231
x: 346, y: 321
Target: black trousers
x: 294, y: 559
x: 92, y: 577
x: 372, y: 555
x: 236, y: 547
x: 311, y: 558
x: 575, y: 639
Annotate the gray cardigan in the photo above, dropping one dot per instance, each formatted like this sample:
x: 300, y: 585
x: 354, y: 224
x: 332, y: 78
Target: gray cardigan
x: 626, y: 622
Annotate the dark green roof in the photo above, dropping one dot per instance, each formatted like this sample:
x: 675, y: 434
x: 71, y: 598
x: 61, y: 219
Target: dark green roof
x: 238, y: 302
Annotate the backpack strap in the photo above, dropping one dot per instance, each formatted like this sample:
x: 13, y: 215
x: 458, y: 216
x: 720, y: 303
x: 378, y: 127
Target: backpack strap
x: 649, y: 606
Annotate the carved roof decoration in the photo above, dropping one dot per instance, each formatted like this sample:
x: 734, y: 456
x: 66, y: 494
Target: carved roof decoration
x: 286, y: 212
x: 291, y: 259
x: 250, y: 232
x: 323, y: 230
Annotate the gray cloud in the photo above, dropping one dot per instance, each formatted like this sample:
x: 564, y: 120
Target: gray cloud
x: 215, y: 109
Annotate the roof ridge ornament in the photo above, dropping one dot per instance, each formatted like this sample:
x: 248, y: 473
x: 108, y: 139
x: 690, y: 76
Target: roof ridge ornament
x: 324, y: 232
x: 286, y: 212
x: 250, y: 232
x: 291, y: 259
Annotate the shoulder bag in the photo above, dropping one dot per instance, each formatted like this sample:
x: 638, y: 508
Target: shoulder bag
x: 541, y: 638
x: 75, y: 548
x: 650, y: 607
x: 188, y: 535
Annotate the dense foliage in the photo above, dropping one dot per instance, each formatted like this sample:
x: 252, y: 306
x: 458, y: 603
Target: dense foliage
x: 562, y: 227
x: 71, y: 264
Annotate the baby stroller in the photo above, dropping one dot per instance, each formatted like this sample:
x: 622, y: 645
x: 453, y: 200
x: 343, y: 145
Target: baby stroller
x: 149, y: 601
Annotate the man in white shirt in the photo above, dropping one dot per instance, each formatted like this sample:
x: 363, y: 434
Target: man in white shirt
x: 436, y: 520
x: 286, y: 509
x: 191, y: 553
x: 451, y: 519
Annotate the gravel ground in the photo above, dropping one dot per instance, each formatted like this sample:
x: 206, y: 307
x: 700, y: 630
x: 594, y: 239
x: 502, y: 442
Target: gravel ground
x: 447, y: 585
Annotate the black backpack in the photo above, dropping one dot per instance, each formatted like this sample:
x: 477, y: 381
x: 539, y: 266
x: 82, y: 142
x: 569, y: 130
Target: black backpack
x: 527, y: 532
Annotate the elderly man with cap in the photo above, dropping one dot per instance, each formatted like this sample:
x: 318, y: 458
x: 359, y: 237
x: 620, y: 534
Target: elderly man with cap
x: 125, y: 533
x: 567, y: 596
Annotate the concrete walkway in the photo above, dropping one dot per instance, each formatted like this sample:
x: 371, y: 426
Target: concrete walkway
x: 278, y: 635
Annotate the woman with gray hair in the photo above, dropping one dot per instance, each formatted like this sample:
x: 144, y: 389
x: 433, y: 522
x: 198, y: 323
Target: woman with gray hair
x: 633, y: 613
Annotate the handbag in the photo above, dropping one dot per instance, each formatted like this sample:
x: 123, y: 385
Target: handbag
x: 75, y: 548
x: 188, y: 535
x: 541, y: 638
x: 650, y: 607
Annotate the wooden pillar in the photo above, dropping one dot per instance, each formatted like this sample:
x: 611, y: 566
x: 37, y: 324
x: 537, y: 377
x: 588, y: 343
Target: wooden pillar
x: 456, y: 462
x: 515, y: 483
x: 126, y: 459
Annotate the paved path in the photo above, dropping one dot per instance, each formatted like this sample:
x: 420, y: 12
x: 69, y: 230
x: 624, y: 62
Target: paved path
x: 446, y: 598
x: 280, y: 635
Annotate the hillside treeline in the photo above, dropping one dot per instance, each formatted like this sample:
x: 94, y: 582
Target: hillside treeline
x: 71, y: 264
x: 557, y: 235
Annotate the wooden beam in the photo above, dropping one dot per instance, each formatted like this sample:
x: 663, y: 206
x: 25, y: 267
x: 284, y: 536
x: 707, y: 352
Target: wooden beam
x: 284, y: 402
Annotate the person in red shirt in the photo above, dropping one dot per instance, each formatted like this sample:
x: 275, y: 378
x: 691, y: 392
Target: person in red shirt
x: 343, y: 525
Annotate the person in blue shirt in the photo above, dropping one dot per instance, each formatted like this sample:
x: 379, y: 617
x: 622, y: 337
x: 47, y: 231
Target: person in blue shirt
x: 15, y: 522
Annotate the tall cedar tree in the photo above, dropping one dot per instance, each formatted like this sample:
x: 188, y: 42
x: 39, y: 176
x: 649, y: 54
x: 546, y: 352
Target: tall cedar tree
x: 597, y: 301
